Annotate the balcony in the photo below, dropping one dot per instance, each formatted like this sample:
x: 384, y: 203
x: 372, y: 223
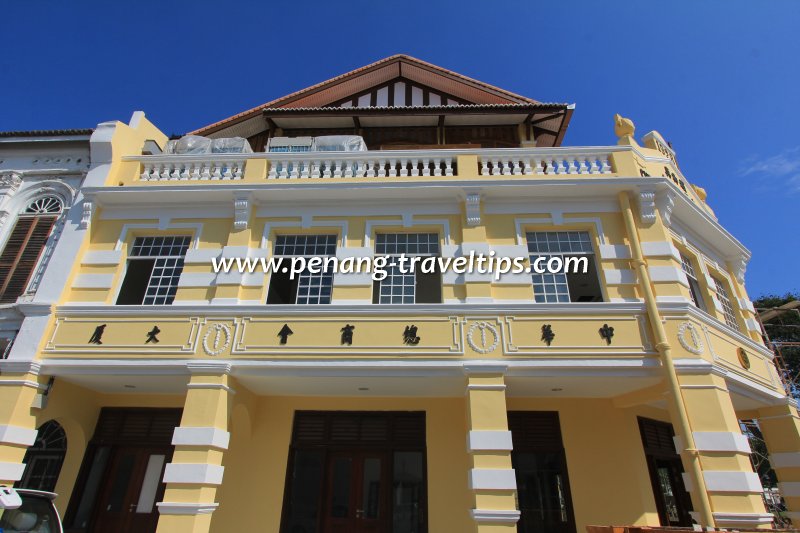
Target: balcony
x: 444, y: 164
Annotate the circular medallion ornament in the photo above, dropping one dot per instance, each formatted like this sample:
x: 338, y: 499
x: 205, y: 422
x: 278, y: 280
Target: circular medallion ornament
x: 478, y: 337
x: 744, y: 359
x: 217, y: 339
x: 690, y: 338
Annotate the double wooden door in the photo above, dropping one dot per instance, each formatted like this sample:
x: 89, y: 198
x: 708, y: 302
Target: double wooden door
x: 131, y: 488
x: 356, y: 499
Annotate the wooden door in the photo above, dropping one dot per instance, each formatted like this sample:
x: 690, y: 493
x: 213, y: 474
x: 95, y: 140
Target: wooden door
x: 356, y: 496
x: 131, y: 488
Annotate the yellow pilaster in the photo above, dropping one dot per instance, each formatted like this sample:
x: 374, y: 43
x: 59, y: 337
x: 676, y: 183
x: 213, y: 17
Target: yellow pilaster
x: 19, y: 385
x: 733, y: 489
x: 491, y: 477
x: 780, y: 426
x: 196, y: 469
x: 676, y: 401
x: 238, y: 245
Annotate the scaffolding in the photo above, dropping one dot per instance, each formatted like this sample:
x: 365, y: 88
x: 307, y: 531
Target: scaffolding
x: 790, y: 377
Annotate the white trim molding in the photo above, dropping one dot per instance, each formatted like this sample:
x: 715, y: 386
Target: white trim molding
x: 614, y: 251
x: 93, y: 281
x: 742, y: 519
x: 785, y: 459
x: 492, y: 479
x: 496, y: 440
x: 193, y: 473
x: 619, y: 276
x: 745, y: 303
x: 668, y: 274
x: 11, y: 471
x: 498, y: 516
x: 18, y: 435
x: 732, y: 481
x: 182, y: 508
x: 721, y: 441
x: 660, y: 249
x: 789, y: 489
x: 201, y: 436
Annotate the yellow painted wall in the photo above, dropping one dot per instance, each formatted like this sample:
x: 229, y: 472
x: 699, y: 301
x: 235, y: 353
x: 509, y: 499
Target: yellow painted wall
x: 251, y: 495
x: 608, y: 474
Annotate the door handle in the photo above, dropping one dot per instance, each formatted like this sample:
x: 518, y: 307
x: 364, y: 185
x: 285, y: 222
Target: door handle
x: 359, y: 513
x: 132, y: 507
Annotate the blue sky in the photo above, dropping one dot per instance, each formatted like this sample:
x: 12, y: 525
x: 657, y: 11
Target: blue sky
x: 720, y: 80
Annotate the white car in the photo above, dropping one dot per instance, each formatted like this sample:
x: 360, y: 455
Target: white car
x: 28, y: 511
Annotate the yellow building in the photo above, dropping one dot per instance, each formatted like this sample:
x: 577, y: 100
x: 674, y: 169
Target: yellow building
x: 195, y: 400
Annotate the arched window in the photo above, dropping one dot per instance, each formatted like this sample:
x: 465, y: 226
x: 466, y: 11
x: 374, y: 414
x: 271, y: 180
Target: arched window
x: 43, y: 460
x: 25, y: 245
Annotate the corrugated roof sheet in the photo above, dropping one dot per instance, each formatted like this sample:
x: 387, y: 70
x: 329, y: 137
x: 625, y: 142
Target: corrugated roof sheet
x: 46, y: 133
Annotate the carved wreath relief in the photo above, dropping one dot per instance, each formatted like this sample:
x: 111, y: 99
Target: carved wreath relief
x: 482, y: 330
x: 690, y: 338
x: 217, y: 339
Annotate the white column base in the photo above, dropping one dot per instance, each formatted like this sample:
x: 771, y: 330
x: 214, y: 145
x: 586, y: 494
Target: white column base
x: 181, y: 508
x: 495, y: 516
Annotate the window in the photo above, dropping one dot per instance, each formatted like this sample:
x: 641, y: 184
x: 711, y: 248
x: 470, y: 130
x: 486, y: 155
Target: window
x: 540, y: 467
x: 307, y: 288
x: 412, y: 287
x: 564, y: 286
x: 694, y: 285
x: 154, y: 267
x: 43, y: 460
x: 727, y: 308
x: 26, y: 244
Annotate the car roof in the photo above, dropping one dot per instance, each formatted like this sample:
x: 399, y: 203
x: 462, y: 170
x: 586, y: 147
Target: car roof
x: 38, y: 493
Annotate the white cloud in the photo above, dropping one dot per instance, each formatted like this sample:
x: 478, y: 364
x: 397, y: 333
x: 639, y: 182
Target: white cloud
x: 778, y: 170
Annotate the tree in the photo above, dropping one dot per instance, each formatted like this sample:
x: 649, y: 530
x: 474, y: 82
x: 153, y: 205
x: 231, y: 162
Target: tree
x: 783, y: 330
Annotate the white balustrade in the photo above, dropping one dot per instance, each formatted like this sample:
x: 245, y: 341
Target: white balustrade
x: 529, y: 163
x: 382, y: 164
x: 361, y: 165
x: 162, y: 169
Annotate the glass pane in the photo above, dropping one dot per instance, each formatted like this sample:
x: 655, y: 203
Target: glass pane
x: 541, y: 491
x: 90, y: 489
x: 371, y: 489
x: 152, y: 477
x: 119, y: 487
x: 340, y: 497
x: 668, y: 494
x: 407, y: 492
x: 307, y: 474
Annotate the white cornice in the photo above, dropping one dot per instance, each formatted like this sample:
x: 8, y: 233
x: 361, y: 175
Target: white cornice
x: 533, y: 308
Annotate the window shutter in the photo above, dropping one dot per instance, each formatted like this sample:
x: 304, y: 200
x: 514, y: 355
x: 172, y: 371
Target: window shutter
x: 21, y: 253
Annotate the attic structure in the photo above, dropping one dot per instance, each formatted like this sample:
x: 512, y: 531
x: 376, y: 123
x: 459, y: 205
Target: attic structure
x: 402, y: 102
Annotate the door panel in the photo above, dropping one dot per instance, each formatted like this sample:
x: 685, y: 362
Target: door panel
x: 131, y: 487
x: 373, y: 489
x: 357, y: 492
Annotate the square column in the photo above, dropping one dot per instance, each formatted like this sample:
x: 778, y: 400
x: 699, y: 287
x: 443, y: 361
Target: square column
x: 196, y: 469
x: 20, y: 384
x: 734, y: 490
x: 780, y: 426
x: 491, y: 478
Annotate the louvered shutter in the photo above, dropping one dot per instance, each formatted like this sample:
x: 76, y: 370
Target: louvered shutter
x: 21, y: 254
x: 535, y: 430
